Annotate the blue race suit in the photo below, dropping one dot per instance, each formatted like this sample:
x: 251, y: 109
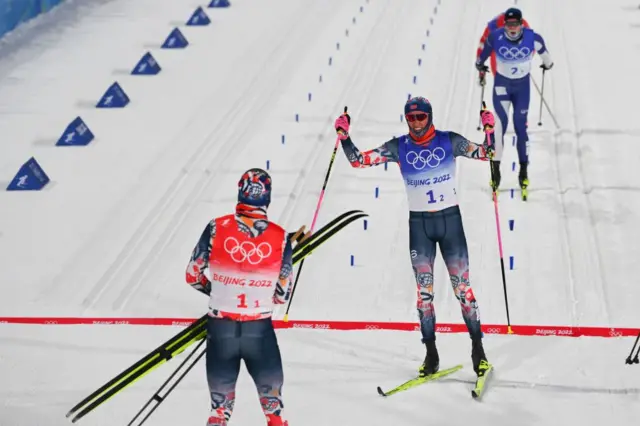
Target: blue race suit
x: 429, y: 174
x: 512, y: 83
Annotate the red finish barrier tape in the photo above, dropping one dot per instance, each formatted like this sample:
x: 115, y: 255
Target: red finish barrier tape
x: 522, y: 330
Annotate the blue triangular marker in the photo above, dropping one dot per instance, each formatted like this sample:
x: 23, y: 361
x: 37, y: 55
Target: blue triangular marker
x: 30, y: 177
x: 146, y: 66
x: 199, y: 18
x: 219, y: 3
x: 76, y: 134
x: 175, y: 40
x: 114, y: 97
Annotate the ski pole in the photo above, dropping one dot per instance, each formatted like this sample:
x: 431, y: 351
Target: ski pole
x: 541, y: 98
x: 495, y: 204
x: 544, y: 101
x: 482, y: 105
x: 157, y: 398
x: 313, y: 222
x: 634, y: 360
x: 174, y: 346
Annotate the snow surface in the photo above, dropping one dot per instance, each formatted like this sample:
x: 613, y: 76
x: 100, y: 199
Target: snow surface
x: 111, y: 234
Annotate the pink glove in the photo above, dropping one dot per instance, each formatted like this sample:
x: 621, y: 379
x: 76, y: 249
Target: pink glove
x: 342, y: 127
x: 488, y: 120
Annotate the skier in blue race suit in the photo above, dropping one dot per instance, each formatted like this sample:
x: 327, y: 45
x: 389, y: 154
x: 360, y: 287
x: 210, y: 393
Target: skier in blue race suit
x: 514, y: 47
x: 427, y: 158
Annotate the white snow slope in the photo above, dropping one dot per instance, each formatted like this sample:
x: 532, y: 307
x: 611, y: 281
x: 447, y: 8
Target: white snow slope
x: 111, y: 234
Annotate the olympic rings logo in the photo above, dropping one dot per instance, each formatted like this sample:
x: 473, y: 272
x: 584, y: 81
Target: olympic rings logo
x: 246, y: 251
x: 514, y: 53
x: 426, y: 158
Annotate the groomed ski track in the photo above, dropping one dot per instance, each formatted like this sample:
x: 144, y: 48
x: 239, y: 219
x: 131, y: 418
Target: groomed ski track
x: 110, y: 236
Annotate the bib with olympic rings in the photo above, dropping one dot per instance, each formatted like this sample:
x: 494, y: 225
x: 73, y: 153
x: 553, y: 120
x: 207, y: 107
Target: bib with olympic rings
x: 429, y: 173
x: 513, y: 61
x: 244, y: 271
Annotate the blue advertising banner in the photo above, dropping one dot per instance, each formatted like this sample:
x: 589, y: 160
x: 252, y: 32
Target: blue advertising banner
x: 15, y: 12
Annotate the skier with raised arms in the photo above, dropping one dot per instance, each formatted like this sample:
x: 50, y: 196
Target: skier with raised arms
x: 426, y: 158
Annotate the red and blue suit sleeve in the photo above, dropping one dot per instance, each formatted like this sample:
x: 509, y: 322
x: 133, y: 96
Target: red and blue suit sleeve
x: 463, y: 147
x: 199, y: 262
x: 487, y: 49
x: 492, y: 25
x: 283, y: 287
x: 483, y: 39
x: 385, y: 153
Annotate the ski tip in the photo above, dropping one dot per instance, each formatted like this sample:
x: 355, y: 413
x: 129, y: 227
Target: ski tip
x: 474, y: 395
x: 381, y: 392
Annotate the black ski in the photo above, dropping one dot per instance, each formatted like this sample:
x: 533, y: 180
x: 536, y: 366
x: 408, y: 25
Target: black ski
x: 197, y: 330
x: 313, y: 243
x: 325, y: 229
x: 174, y: 346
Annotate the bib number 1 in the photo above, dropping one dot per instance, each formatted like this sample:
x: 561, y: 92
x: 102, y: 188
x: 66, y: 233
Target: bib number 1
x: 242, y: 302
x: 433, y: 199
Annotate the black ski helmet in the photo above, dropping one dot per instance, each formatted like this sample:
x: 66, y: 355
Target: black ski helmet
x: 421, y: 104
x: 513, y: 15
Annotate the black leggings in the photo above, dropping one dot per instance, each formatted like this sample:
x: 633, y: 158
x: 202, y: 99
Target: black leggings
x: 443, y: 228
x: 228, y: 343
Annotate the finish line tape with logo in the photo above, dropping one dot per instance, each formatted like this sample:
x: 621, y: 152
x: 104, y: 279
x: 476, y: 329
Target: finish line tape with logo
x: 521, y: 330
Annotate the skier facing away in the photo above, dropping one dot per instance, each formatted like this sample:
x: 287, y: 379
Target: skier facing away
x: 514, y: 47
x: 427, y: 157
x: 243, y: 262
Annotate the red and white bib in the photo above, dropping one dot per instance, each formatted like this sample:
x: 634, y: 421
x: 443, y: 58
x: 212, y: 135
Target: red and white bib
x: 244, y: 271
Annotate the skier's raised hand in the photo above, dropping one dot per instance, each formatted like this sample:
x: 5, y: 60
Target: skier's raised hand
x: 342, y: 125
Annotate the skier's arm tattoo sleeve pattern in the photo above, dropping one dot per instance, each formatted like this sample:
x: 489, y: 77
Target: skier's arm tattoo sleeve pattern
x: 462, y: 147
x: 199, y: 262
x: 283, y: 287
x: 385, y: 153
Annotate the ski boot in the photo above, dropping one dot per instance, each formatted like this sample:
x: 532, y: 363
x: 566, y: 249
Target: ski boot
x: 495, y: 175
x: 480, y: 363
x: 523, y: 180
x: 431, y: 362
